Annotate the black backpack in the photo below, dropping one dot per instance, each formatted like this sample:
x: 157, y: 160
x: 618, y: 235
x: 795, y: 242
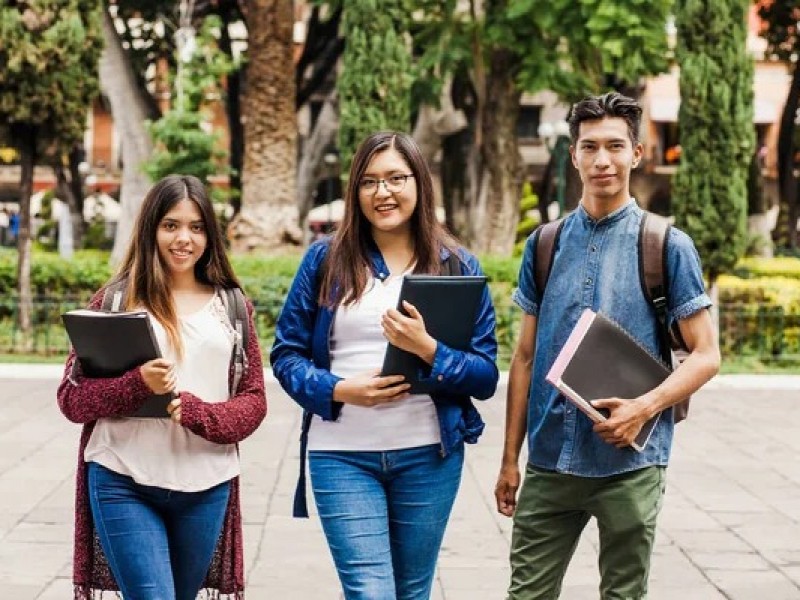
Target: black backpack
x: 235, y: 307
x: 653, y: 235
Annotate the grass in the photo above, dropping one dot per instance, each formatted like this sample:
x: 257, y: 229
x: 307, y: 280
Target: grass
x: 752, y: 365
x: 14, y: 358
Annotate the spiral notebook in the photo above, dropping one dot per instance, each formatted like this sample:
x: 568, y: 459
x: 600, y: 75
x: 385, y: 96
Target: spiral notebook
x: 601, y: 360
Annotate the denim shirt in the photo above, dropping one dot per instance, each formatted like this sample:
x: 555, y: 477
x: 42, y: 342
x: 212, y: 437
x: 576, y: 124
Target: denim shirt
x: 300, y: 359
x: 596, y: 266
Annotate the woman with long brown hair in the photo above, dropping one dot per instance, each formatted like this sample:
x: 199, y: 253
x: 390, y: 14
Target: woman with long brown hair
x: 157, y: 501
x: 385, y: 465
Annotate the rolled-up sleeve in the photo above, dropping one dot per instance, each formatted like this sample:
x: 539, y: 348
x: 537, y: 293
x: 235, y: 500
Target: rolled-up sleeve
x: 526, y: 295
x: 687, y: 290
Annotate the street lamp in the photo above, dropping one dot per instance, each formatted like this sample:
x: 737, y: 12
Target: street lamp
x: 556, y: 139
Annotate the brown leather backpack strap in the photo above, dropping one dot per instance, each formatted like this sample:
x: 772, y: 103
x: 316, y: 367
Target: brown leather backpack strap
x: 653, y: 233
x: 653, y: 236
x: 545, y: 246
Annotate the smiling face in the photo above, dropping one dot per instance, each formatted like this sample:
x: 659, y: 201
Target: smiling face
x: 388, y: 211
x: 604, y: 156
x: 181, y: 238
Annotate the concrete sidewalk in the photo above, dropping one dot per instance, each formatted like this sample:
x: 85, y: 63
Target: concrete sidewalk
x: 730, y: 527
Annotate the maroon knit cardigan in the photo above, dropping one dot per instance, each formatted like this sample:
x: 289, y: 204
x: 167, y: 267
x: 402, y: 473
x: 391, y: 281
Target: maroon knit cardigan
x: 84, y: 400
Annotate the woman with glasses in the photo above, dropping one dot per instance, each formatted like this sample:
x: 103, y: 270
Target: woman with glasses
x: 385, y: 465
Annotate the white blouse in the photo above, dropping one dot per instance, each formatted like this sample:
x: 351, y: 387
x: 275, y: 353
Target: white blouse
x: 160, y: 452
x: 358, y: 346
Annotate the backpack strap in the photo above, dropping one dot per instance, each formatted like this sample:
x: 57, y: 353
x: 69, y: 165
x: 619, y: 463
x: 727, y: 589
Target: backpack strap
x: 653, y: 276
x: 114, y: 296
x: 451, y: 266
x: 653, y: 236
x: 545, y: 244
x: 236, y: 308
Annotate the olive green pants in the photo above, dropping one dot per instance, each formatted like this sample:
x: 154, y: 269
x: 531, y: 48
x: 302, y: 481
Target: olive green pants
x: 553, y: 509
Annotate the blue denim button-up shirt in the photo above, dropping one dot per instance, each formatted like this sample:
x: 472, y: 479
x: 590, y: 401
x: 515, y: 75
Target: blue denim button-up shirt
x: 596, y: 266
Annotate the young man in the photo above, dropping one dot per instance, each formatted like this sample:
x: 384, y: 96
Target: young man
x: 576, y: 469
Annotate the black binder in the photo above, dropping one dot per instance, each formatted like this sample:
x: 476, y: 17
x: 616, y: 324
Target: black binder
x: 108, y: 344
x: 449, y: 307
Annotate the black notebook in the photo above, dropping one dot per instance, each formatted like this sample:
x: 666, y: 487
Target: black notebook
x: 601, y: 360
x: 108, y: 344
x: 449, y: 306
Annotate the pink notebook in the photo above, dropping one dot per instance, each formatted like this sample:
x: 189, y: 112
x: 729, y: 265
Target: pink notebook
x: 601, y: 360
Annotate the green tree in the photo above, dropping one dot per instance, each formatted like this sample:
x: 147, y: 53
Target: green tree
x: 183, y: 143
x: 375, y: 83
x: 573, y: 47
x: 709, y: 193
x: 781, y: 32
x: 49, y: 51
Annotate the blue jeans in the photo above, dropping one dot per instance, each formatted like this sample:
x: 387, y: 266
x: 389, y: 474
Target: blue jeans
x: 159, y: 543
x: 384, y: 516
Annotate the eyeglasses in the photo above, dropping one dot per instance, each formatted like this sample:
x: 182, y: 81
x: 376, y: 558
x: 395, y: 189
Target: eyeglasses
x: 393, y: 184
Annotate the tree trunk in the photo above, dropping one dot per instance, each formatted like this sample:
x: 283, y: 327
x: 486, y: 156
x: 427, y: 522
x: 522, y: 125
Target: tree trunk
x: 26, y: 136
x: 269, y: 216
x: 130, y: 110
x: 459, y: 164
x: 498, y: 208
x: 65, y: 192
x: 233, y: 111
x: 787, y: 183
x: 311, y: 166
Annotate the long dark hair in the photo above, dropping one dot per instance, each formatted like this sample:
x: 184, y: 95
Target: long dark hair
x: 148, y: 278
x: 345, y: 276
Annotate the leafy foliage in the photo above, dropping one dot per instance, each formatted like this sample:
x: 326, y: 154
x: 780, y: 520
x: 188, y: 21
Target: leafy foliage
x: 49, y: 51
x: 375, y: 83
x: 573, y: 47
x: 717, y: 136
x: 183, y: 142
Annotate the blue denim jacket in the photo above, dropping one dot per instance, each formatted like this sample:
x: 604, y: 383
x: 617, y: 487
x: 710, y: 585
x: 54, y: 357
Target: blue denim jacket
x: 301, y: 360
x: 596, y: 266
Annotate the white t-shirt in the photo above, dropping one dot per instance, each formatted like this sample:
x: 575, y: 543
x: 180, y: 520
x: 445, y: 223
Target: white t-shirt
x: 160, y: 452
x: 357, y: 346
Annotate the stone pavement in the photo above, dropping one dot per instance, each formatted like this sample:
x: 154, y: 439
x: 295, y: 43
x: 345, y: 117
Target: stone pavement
x: 730, y: 528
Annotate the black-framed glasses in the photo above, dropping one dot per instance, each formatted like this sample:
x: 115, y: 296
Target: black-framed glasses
x: 393, y: 184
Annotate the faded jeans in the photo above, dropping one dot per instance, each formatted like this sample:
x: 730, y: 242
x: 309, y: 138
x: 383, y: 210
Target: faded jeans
x: 159, y: 543
x: 384, y: 516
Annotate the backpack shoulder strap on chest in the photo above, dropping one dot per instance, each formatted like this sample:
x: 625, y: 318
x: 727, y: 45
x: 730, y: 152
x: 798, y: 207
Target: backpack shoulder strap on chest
x: 653, y: 276
x: 653, y: 232
x: 545, y: 244
x: 452, y: 266
x: 115, y: 295
x: 236, y: 309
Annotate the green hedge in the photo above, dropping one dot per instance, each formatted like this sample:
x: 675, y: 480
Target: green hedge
x: 760, y: 303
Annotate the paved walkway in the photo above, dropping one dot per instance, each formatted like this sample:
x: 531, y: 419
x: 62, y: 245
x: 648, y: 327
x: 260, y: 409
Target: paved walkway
x: 730, y: 528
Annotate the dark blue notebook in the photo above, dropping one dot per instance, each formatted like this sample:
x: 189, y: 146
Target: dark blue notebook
x: 449, y: 306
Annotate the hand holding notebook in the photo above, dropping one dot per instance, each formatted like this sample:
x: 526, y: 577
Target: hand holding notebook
x: 600, y: 360
x: 448, y: 306
x: 108, y: 344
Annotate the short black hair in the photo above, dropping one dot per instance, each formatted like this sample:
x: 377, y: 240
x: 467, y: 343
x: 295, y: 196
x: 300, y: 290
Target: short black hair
x: 610, y: 105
